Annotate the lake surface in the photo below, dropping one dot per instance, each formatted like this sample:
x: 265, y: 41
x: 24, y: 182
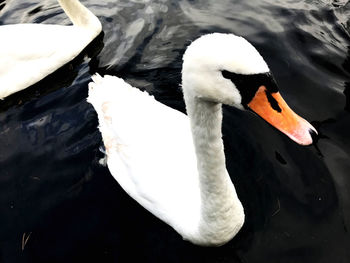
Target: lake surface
x: 58, y: 204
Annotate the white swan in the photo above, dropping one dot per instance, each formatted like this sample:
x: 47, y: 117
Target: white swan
x: 173, y: 164
x: 30, y: 52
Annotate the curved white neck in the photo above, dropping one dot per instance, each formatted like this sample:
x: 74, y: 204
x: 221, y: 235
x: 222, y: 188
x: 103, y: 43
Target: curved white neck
x: 221, y: 211
x: 80, y: 15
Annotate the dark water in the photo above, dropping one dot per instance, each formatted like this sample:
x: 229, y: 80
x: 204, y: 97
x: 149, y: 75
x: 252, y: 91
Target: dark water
x: 57, y: 204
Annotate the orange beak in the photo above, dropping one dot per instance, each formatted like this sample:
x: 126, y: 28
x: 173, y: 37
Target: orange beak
x: 272, y: 108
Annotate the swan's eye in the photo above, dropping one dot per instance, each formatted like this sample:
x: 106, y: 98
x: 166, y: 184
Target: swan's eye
x: 248, y: 85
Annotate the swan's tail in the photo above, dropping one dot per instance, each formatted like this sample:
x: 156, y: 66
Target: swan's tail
x: 115, y: 90
x: 110, y: 89
x: 104, y: 97
x: 120, y: 110
x: 104, y: 92
x: 115, y: 102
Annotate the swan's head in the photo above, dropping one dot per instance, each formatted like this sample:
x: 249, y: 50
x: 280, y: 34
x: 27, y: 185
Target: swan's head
x: 227, y: 69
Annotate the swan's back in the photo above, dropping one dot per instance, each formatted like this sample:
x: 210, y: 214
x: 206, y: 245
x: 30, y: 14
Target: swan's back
x: 149, y: 151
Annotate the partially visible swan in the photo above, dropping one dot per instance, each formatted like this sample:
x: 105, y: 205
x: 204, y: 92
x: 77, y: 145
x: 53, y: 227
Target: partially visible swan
x: 30, y: 52
x: 174, y: 164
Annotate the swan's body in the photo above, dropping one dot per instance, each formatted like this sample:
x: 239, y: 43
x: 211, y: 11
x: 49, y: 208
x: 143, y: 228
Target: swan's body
x: 30, y: 52
x: 171, y: 163
x: 150, y: 152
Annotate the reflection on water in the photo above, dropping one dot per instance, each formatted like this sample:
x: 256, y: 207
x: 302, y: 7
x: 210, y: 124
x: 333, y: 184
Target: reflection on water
x: 57, y: 204
x: 347, y: 95
x: 346, y: 66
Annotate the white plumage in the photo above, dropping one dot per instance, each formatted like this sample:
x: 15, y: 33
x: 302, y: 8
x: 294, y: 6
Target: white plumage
x: 171, y: 163
x: 149, y: 151
x: 30, y: 52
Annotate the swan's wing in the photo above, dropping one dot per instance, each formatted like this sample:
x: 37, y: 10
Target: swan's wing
x: 150, y: 151
x: 30, y: 52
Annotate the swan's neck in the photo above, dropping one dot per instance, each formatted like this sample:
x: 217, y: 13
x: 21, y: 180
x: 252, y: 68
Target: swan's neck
x: 221, y: 211
x: 80, y: 15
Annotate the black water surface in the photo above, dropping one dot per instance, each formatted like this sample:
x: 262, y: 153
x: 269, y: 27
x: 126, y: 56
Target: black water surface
x: 57, y: 204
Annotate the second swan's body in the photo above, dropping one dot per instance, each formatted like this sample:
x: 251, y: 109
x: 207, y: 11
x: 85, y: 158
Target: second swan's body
x: 30, y: 52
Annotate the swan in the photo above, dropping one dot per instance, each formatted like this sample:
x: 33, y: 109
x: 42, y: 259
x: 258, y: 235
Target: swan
x: 174, y: 164
x: 30, y: 52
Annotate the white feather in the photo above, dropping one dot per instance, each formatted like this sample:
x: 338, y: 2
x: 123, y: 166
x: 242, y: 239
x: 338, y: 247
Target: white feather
x: 144, y: 127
